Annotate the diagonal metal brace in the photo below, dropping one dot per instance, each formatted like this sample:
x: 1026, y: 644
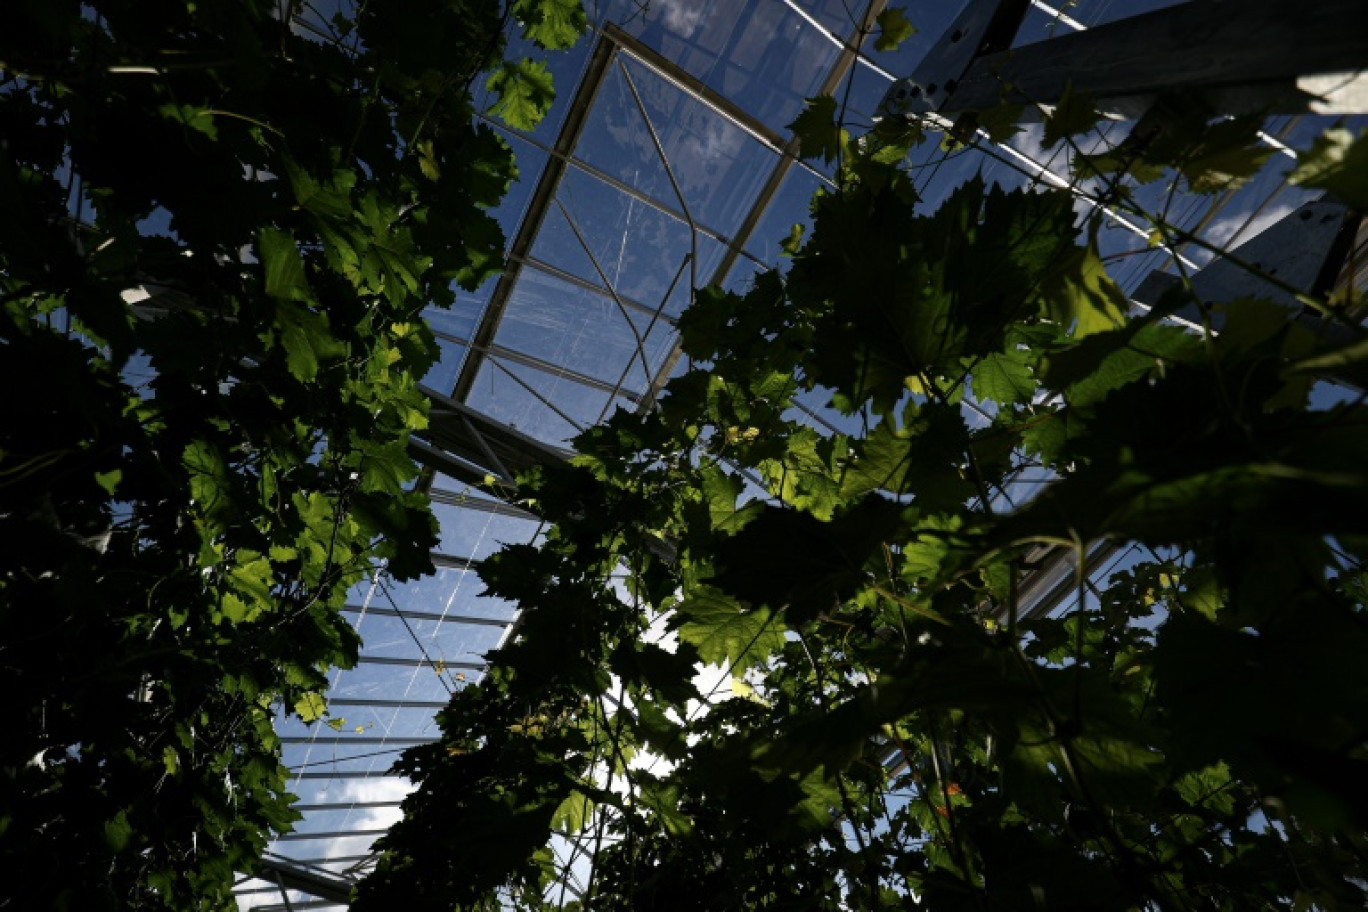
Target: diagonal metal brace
x: 468, y: 445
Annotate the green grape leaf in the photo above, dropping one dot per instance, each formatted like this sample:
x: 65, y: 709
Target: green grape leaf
x: 553, y: 24
x: 311, y: 706
x: 306, y: 338
x: 118, y: 832
x: 109, y: 480
x: 894, y: 29
x: 1228, y: 154
x: 196, y: 118
x: 794, y: 562
x: 1003, y: 377
x: 1338, y: 162
x: 819, y: 135
x: 1074, y: 114
x: 573, y: 813
x: 1081, y: 294
x: 727, y: 634
x: 524, y: 93
x: 284, y: 266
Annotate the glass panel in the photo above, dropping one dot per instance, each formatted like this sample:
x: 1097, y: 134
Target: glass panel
x: 390, y: 682
x: 789, y: 208
x: 333, y: 758
x: 763, y: 56
x: 445, y: 640
x: 391, y: 721
x: 449, y: 591
x: 363, y: 592
x: 306, y: 848
x: 530, y: 162
x: 557, y: 245
x: 461, y: 318
x: 476, y: 534
x: 442, y: 375
x: 375, y: 788
x: 347, y: 819
x: 640, y: 249
x: 588, y: 333
x: 716, y: 163
x: 497, y: 394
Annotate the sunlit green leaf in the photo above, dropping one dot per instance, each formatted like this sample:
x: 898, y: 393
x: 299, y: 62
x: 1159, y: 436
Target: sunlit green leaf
x: 727, y: 634
x: 524, y: 93
x: 894, y: 29
x: 1338, y: 162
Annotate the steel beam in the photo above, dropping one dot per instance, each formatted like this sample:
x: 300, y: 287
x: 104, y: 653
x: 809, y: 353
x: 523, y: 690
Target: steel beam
x: 347, y: 806
x: 314, y: 881
x: 386, y: 703
x: 331, y: 834
x: 479, y: 504
x: 427, y: 616
x: 406, y: 662
x: 561, y: 373
x: 1301, y: 254
x: 537, y: 208
x: 345, y: 774
x: 452, y: 561
x: 459, y: 439
x: 1267, y: 56
x: 356, y: 739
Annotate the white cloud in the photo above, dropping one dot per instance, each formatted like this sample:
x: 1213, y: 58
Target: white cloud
x: 1238, y: 227
x: 682, y: 16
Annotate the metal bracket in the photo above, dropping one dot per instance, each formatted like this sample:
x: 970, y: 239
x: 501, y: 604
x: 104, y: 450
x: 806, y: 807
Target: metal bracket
x: 982, y: 27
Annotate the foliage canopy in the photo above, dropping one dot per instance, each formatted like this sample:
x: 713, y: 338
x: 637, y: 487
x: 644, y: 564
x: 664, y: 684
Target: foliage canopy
x: 222, y: 221
x: 1191, y: 733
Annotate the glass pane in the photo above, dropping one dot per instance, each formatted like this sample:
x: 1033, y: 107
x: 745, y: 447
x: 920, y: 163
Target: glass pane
x: 591, y: 334
x: 390, y: 682
x: 450, y: 641
x: 461, y: 318
x: 717, y: 165
x: 640, y: 249
x: 327, y: 791
x: 765, y: 57
x: 449, y: 591
x: 476, y: 534
x: 551, y: 408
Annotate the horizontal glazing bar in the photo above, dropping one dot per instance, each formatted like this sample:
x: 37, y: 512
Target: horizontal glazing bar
x: 418, y: 663
x: 479, y: 504
x: 355, y: 739
x: 507, y: 354
x: 331, y: 834
x: 344, y: 806
x: 428, y: 616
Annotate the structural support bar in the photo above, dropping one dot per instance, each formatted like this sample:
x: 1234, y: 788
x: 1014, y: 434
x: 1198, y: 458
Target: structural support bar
x: 469, y: 445
x: 1251, y: 56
